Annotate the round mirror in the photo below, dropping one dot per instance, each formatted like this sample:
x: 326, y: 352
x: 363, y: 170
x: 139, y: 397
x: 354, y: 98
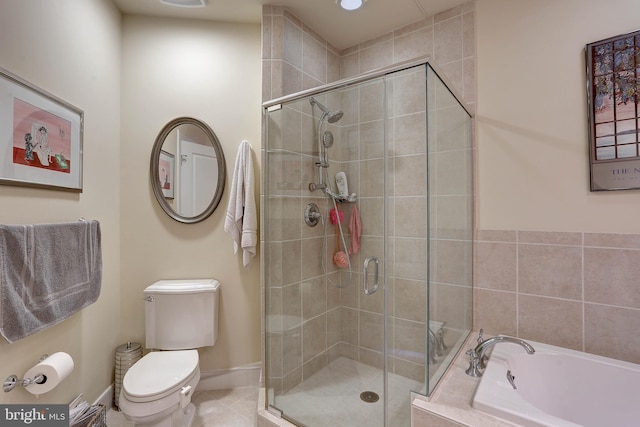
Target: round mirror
x: 187, y: 170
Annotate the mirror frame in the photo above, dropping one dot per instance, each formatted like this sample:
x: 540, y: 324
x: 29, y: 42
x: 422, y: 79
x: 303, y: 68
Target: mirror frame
x: 154, y: 168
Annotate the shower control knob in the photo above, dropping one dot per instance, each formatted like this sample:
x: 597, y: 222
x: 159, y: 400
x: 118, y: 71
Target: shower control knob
x: 312, y: 215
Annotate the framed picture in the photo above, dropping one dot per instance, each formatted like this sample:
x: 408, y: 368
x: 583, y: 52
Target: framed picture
x: 40, y: 137
x: 613, y: 85
x: 166, y: 167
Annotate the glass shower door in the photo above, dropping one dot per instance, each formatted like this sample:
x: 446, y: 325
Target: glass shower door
x: 325, y: 337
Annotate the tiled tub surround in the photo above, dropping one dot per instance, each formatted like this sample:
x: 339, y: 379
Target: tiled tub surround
x: 574, y: 290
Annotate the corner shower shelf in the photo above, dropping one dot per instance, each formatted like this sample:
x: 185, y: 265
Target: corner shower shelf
x: 352, y: 198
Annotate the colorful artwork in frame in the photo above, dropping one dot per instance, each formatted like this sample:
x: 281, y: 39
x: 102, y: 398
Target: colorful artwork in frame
x: 166, y: 166
x: 613, y: 85
x: 40, y: 137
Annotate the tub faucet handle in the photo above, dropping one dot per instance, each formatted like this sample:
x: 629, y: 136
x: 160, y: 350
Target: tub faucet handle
x: 474, y: 364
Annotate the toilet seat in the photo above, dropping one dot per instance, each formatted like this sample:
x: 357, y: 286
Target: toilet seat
x: 159, y: 374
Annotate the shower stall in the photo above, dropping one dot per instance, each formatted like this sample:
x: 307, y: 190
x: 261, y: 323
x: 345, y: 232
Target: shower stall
x: 368, y: 232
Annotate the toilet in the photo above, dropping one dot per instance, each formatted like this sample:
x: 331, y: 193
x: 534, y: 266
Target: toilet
x: 180, y: 316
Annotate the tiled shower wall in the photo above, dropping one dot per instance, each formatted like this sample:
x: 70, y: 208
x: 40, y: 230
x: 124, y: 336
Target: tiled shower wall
x: 575, y: 290
x: 296, y: 58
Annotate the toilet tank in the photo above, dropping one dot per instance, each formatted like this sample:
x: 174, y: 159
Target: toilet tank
x: 181, y: 314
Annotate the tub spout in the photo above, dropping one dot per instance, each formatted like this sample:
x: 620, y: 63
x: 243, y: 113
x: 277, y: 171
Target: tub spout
x: 477, y: 356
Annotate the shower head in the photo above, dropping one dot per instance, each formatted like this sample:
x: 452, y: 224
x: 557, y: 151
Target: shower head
x: 334, y: 116
x: 331, y: 116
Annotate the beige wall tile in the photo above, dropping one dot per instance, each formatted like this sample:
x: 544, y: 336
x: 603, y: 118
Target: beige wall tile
x: 452, y: 272
x: 314, y: 58
x: 453, y: 306
x: 409, y: 134
x: 376, y: 56
x: 291, y: 349
x: 612, y: 332
x: 409, y: 340
x: 605, y: 240
x: 550, y: 238
x: 496, y: 266
x: 411, y: 258
x: 314, y: 337
x: 408, y: 93
x: 410, y: 218
x: 409, y: 300
x: 291, y: 79
x: 552, y: 321
x: 350, y: 326
x: 291, y: 266
x: 291, y: 306
x: 611, y: 276
x: 410, y: 175
x: 413, y: 45
x: 550, y: 270
x: 371, y: 331
x: 448, y: 40
x: 314, y: 297
x: 311, y: 262
x: 292, y: 43
x: 371, y: 101
x: 495, y: 312
x: 314, y: 365
x: 496, y: 236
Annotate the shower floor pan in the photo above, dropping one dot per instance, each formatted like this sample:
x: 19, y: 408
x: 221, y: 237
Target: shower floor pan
x: 331, y: 397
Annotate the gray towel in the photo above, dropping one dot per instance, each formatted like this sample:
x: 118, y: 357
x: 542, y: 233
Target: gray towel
x: 47, y: 273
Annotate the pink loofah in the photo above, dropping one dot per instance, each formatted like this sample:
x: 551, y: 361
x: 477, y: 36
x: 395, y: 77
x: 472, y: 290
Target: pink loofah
x: 333, y: 216
x: 341, y: 259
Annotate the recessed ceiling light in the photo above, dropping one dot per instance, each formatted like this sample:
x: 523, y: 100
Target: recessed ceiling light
x: 350, y: 4
x: 184, y: 3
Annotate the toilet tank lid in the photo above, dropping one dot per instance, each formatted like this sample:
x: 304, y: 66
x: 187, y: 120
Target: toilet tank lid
x: 183, y: 286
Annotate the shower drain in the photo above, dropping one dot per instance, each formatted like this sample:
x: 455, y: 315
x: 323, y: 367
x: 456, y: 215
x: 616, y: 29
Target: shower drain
x: 369, y: 396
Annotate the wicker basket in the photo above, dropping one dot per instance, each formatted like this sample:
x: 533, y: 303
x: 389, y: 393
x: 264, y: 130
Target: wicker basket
x: 98, y: 420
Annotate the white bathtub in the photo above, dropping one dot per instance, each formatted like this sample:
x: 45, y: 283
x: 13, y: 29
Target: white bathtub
x: 557, y: 387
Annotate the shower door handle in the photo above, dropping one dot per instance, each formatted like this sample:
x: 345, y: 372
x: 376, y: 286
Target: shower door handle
x: 367, y: 290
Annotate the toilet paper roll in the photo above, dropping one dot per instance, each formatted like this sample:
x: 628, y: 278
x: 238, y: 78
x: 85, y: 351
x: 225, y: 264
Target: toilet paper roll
x: 55, y: 368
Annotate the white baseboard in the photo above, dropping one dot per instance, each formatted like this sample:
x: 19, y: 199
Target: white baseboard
x: 106, y: 398
x: 243, y: 376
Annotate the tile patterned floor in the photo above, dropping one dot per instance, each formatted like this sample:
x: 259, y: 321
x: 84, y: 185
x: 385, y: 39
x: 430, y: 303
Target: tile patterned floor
x: 235, y: 407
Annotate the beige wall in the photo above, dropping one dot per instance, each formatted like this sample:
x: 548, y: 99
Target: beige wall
x: 71, y: 49
x: 533, y: 170
x: 554, y: 262
x: 131, y: 76
x: 210, y: 71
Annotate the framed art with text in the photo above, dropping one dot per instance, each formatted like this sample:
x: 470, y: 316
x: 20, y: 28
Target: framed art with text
x: 613, y: 81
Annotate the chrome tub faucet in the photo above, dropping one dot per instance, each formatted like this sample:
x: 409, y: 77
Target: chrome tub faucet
x: 478, y: 357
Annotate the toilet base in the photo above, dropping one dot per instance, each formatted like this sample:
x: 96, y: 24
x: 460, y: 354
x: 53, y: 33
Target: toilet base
x: 180, y: 418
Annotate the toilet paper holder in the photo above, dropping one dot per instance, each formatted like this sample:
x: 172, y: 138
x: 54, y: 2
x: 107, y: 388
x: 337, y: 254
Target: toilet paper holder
x: 12, y: 380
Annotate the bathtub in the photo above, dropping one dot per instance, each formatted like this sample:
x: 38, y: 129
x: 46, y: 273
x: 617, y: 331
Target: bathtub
x: 557, y: 387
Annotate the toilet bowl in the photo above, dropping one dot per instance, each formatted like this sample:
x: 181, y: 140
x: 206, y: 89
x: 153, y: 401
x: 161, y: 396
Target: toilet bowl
x: 179, y: 317
x: 157, y: 389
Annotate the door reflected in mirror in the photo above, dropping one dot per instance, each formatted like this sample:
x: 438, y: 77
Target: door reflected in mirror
x: 187, y: 170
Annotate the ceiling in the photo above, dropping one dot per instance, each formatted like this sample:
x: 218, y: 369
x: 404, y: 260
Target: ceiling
x: 341, y: 28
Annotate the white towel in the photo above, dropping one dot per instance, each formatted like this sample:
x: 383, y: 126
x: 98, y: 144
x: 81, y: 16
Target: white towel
x: 241, y: 221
